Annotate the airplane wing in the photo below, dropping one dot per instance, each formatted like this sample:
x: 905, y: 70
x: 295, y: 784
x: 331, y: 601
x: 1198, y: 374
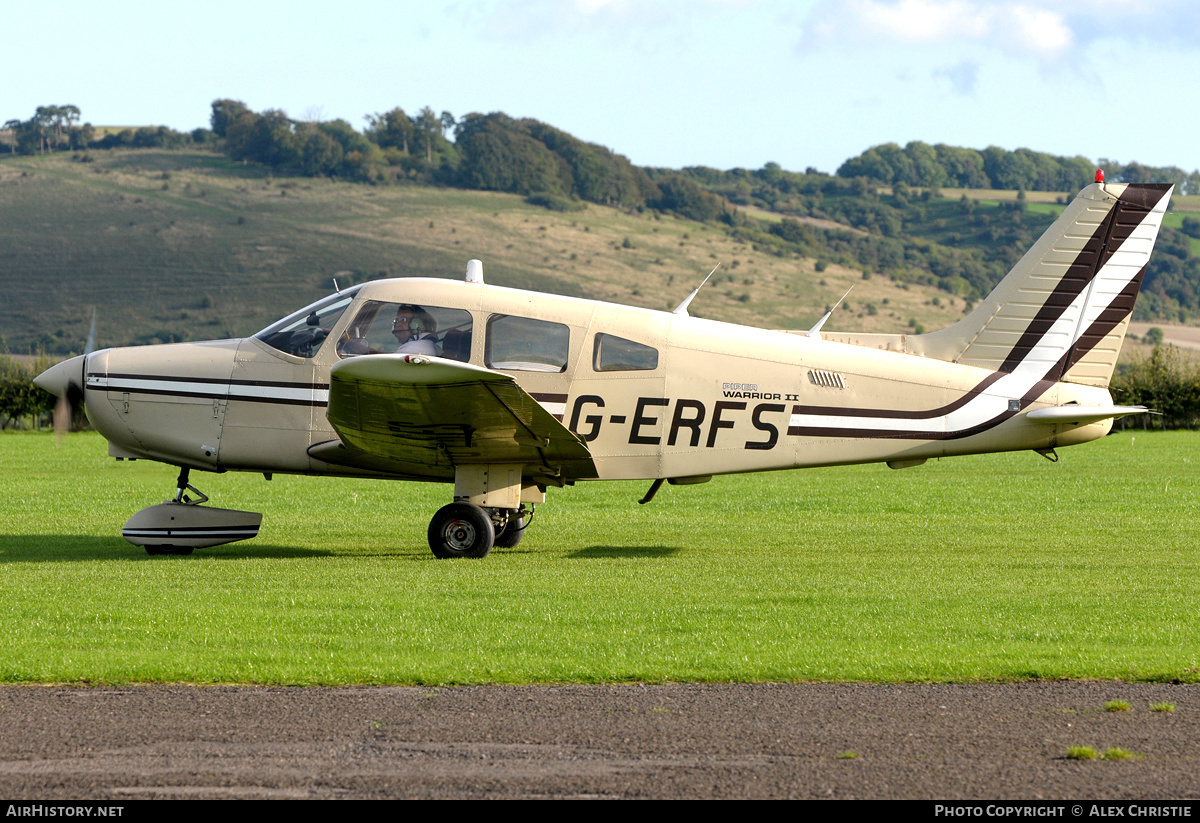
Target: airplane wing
x: 422, y: 416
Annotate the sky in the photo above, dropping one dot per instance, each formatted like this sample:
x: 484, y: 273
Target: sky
x: 674, y: 83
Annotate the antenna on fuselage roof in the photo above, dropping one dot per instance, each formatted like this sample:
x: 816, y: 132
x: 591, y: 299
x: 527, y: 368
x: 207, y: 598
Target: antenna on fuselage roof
x: 336, y: 287
x: 474, y: 271
x: 682, y: 307
x: 815, y: 331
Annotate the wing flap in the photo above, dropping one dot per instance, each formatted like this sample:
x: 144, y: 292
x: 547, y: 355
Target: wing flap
x: 423, y: 416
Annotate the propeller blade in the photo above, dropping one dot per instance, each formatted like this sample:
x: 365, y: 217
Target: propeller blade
x: 90, y: 346
x: 62, y: 417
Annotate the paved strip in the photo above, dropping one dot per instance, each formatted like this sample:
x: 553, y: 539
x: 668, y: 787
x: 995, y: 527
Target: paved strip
x: 922, y: 741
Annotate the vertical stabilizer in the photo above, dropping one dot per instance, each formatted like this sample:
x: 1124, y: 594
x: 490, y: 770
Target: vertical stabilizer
x: 1063, y: 309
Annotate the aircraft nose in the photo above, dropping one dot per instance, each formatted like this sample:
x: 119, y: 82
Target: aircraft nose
x: 60, y: 377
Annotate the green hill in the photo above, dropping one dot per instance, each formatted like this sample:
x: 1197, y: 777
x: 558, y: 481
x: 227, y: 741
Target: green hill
x: 188, y: 244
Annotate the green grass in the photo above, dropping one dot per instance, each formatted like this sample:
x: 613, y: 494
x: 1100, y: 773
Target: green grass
x: 1115, y: 753
x: 1162, y: 707
x: 1116, y: 706
x: 1081, y: 753
x: 998, y: 567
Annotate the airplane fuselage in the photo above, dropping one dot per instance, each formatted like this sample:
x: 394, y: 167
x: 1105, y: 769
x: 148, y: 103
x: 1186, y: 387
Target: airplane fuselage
x: 694, y: 398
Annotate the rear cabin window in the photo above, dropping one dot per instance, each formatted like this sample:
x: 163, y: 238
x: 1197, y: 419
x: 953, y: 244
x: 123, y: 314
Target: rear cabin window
x: 524, y: 344
x: 406, y: 328
x: 612, y: 353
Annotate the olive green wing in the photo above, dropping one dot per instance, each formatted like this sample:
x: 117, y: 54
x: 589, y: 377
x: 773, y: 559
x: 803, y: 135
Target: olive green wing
x: 423, y: 416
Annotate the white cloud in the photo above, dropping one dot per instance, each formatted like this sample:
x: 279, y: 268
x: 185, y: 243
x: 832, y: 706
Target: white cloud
x: 918, y: 21
x: 1029, y: 28
x: 1049, y: 30
x: 1042, y: 33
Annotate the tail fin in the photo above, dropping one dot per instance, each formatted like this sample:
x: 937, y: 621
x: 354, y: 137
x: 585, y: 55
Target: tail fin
x: 1063, y: 309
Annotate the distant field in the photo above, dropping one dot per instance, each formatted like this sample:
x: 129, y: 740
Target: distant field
x: 1051, y: 203
x: 189, y: 244
x: 1179, y: 202
x: 193, y: 244
x: 1000, y: 567
x: 1010, y: 194
x: 1185, y: 338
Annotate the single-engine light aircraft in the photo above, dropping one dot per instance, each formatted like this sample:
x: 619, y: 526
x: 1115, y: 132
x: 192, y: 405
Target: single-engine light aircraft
x: 505, y: 393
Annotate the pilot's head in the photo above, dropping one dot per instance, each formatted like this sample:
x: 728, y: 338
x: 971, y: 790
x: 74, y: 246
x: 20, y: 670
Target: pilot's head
x: 412, y: 322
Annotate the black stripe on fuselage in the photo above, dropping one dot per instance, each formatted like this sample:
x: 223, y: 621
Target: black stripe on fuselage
x: 1039, y: 388
x: 899, y: 414
x: 1109, y: 319
x: 113, y: 384
x: 274, y: 384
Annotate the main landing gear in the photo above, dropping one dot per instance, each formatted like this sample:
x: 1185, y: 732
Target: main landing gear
x: 466, y: 530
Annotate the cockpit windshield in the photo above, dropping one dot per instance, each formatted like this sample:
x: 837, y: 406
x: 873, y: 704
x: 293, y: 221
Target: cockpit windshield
x: 302, y: 332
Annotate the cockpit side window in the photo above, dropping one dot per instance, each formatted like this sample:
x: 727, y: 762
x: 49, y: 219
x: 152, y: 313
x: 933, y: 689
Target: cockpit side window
x: 301, y: 334
x: 612, y: 353
x: 525, y: 344
x: 406, y: 328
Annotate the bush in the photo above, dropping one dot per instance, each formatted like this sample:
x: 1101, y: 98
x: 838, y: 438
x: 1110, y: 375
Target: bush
x: 555, y: 202
x: 1165, y: 382
x: 21, y: 402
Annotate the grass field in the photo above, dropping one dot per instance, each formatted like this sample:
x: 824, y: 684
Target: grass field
x: 985, y: 568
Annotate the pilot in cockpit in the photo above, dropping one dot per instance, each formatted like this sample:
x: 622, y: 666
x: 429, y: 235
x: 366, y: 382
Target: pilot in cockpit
x: 415, y: 329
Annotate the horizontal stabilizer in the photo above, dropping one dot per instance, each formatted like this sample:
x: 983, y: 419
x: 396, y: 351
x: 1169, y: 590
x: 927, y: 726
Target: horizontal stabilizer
x: 1083, y: 414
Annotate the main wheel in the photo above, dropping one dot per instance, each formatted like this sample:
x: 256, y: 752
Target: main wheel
x: 461, y: 530
x: 512, y: 534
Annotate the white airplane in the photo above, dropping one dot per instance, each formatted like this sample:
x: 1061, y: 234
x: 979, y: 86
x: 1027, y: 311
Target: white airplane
x: 505, y: 393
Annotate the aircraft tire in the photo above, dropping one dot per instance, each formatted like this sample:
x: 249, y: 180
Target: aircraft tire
x: 461, y: 530
x: 512, y: 533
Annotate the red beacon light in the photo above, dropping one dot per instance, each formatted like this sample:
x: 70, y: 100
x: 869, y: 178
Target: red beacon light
x: 1099, y: 175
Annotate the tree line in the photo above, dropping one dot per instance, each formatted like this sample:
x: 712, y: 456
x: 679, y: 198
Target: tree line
x: 960, y: 246
x: 492, y: 152
x: 57, y: 128
x: 920, y: 164
x: 50, y: 128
